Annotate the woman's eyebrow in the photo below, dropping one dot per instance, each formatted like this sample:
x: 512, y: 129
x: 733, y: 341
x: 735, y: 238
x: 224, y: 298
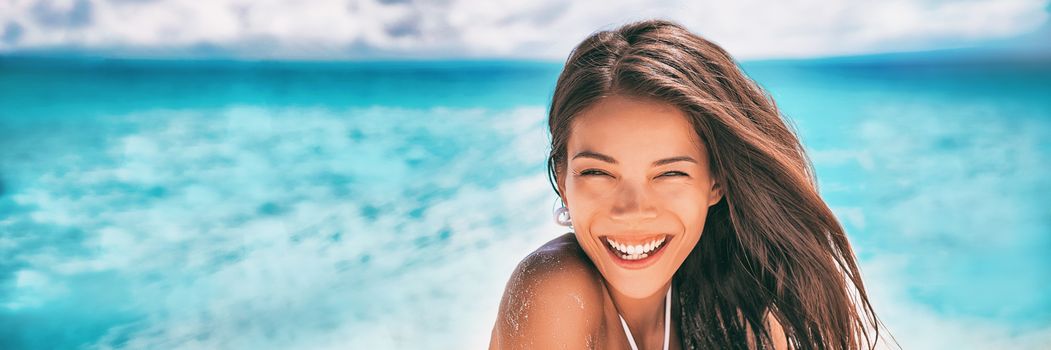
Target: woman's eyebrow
x: 595, y: 155
x: 675, y: 159
x: 608, y: 159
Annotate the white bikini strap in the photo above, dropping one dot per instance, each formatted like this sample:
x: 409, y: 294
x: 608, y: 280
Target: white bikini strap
x: 667, y: 324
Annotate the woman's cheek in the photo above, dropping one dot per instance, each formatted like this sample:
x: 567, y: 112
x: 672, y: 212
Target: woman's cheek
x: 690, y: 206
x: 594, y: 182
x: 682, y: 195
x: 588, y: 191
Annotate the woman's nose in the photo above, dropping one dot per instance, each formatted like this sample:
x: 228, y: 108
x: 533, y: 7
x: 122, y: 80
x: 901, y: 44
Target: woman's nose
x: 633, y: 203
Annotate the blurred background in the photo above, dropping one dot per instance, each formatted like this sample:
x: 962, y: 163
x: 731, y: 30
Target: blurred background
x: 335, y: 174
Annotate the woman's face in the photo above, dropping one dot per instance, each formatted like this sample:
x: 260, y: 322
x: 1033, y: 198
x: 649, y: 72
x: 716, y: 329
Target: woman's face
x: 638, y: 189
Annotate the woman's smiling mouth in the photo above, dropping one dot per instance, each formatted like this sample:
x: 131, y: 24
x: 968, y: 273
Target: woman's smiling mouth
x: 634, y: 253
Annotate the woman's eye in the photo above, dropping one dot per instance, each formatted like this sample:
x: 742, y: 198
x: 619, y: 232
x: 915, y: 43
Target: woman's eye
x: 675, y: 173
x: 589, y: 172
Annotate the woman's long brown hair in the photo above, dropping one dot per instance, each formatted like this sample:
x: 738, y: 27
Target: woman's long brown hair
x: 771, y: 244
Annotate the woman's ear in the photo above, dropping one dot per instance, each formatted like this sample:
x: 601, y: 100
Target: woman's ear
x: 560, y: 181
x: 715, y: 193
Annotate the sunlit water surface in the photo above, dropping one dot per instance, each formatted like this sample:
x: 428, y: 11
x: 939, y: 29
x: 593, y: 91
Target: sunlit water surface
x: 241, y: 205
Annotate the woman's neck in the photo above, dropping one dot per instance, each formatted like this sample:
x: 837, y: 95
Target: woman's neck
x: 645, y: 317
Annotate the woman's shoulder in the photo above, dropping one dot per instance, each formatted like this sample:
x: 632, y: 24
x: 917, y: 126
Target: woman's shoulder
x: 554, y: 299
x: 560, y: 265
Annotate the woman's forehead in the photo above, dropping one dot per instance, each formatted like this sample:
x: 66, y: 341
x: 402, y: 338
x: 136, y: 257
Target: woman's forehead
x: 631, y: 127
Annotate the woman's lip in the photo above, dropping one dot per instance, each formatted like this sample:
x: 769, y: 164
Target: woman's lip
x: 640, y: 263
x: 632, y: 239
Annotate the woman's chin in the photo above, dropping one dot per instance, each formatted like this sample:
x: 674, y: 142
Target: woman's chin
x: 636, y: 289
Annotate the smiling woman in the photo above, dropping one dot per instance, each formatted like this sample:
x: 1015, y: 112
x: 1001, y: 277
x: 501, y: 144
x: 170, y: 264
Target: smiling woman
x: 695, y: 212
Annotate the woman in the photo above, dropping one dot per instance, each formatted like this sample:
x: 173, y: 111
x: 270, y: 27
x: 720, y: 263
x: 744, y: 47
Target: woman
x: 696, y: 218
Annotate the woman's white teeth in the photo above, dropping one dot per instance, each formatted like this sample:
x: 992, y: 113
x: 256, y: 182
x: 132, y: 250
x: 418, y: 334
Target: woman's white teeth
x: 636, y: 251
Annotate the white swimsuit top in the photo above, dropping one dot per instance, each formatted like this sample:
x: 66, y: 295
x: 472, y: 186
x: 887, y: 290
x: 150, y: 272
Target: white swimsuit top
x: 667, y: 323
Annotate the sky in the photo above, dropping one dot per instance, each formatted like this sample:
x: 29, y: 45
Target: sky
x: 534, y: 29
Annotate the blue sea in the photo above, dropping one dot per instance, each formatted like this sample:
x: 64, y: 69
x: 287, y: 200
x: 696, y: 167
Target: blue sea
x: 155, y: 204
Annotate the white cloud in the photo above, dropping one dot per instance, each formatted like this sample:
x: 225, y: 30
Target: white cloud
x: 545, y: 29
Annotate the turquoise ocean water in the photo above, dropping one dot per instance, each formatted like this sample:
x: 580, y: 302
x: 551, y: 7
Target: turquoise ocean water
x: 324, y: 205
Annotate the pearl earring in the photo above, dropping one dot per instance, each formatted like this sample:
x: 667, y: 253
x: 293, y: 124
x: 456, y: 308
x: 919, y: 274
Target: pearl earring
x: 562, y: 217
